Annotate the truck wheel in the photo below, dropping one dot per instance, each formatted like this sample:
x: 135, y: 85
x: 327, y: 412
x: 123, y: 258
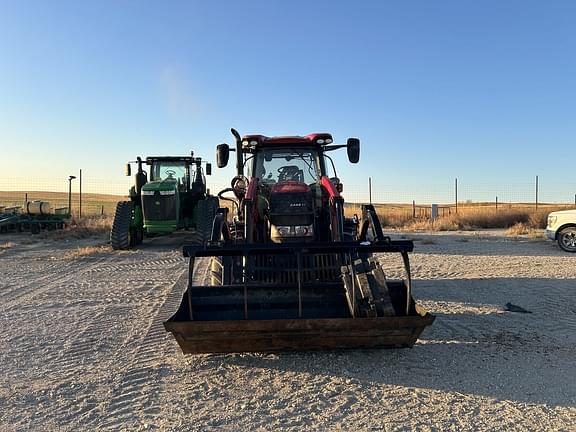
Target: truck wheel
x: 120, y: 235
x: 567, y: 239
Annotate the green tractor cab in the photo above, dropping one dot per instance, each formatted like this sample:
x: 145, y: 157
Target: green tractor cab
x: 173, y: 198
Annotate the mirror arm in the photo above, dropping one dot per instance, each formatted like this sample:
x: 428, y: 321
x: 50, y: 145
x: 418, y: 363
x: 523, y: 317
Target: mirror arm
x: 334, y: 147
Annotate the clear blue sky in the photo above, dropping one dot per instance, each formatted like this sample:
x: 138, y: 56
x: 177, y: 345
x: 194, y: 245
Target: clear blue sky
x: 480, y: 90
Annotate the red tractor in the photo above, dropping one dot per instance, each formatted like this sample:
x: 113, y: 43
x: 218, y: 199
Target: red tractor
x: 288, y: 269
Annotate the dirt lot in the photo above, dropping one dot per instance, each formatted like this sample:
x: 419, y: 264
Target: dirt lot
x: 82, y: 347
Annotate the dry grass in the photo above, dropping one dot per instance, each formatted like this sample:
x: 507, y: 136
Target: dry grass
x: 468, y: 218
x: 524, y: 229
x: 86, y: 251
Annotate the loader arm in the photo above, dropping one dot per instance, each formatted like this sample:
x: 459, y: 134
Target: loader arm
x: 336, y: 204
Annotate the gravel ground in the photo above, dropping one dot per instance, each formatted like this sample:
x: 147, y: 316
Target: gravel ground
x: 82, y: 347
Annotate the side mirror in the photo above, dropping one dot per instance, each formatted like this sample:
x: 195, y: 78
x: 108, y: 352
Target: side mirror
x: 222, y: 155
x: 208, y: 169
x: 353, y: 148
x: 128, y: 170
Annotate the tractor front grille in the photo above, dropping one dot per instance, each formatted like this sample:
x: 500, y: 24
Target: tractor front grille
x: 291, y: 208
x: 159, y: 207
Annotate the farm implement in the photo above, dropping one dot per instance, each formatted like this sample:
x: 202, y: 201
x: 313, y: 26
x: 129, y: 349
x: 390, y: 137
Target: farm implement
x: 289, y: 271
x: 34, y: 216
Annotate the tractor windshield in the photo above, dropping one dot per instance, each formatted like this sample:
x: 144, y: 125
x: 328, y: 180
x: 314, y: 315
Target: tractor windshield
x: 163, y: 170
x: 281, y: 165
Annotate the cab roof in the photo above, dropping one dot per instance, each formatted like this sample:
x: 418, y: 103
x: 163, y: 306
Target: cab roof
x: 314, y: 139
x: 187, y: 159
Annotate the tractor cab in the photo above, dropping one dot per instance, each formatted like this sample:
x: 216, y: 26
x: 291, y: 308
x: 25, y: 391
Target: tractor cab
x: 171, y: 171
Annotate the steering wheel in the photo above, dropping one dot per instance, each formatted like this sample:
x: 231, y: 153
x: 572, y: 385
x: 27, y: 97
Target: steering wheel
x: 170, y: 173
x: 288, y: 173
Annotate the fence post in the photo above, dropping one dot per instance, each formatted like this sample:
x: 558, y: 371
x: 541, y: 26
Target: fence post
x: 456, y: 194
x: 536, y: 193
x: 496, y: 203
x: 413, y: 209
x: 370, y: 188
x: 102, y: 211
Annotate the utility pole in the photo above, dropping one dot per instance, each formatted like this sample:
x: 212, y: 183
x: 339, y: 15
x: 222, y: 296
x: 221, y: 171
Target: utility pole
x: 80, y: 196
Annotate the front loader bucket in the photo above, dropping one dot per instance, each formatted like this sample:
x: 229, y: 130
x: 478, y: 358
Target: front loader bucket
x: 264, y: 315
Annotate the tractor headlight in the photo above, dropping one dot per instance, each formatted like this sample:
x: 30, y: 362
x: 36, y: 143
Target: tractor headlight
x: 283, y: 231
x: 304, y: 230
x: 292, y: 231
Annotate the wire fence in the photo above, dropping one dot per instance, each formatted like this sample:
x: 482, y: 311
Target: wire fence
x: 90, y: 196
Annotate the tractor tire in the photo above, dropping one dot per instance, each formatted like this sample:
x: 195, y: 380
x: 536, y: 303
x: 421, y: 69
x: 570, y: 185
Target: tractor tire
x: 205, y: 213
x: 226, y: 270
x: 220, y: 270
x: 121, y: 235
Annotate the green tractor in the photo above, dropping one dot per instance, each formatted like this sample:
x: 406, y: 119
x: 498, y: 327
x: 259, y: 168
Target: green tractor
x: 174, y: 198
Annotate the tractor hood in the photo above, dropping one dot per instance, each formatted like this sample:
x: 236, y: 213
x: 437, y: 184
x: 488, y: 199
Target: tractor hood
x: 168, y: 185
x: 290, y: 187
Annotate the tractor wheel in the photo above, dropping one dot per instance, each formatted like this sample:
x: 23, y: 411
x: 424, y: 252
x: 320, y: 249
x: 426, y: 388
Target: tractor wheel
x: 206, y: 211
x: 226, y: 270
x: 121, y: 235
x: 220, y: 270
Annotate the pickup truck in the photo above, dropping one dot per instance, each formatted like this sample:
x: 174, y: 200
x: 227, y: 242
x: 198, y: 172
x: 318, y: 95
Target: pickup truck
x: 562, y: 228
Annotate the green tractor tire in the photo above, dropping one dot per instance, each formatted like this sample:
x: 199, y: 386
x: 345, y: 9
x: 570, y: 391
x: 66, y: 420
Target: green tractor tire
x: 121, y: 235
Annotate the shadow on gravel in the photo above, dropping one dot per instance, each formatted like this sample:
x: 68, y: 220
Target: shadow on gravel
x: 475, y: 348
x: 467, y: 244
x: 175, y: 241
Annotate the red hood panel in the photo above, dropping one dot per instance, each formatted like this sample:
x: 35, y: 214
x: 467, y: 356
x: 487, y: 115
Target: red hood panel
x: 290, y: 186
